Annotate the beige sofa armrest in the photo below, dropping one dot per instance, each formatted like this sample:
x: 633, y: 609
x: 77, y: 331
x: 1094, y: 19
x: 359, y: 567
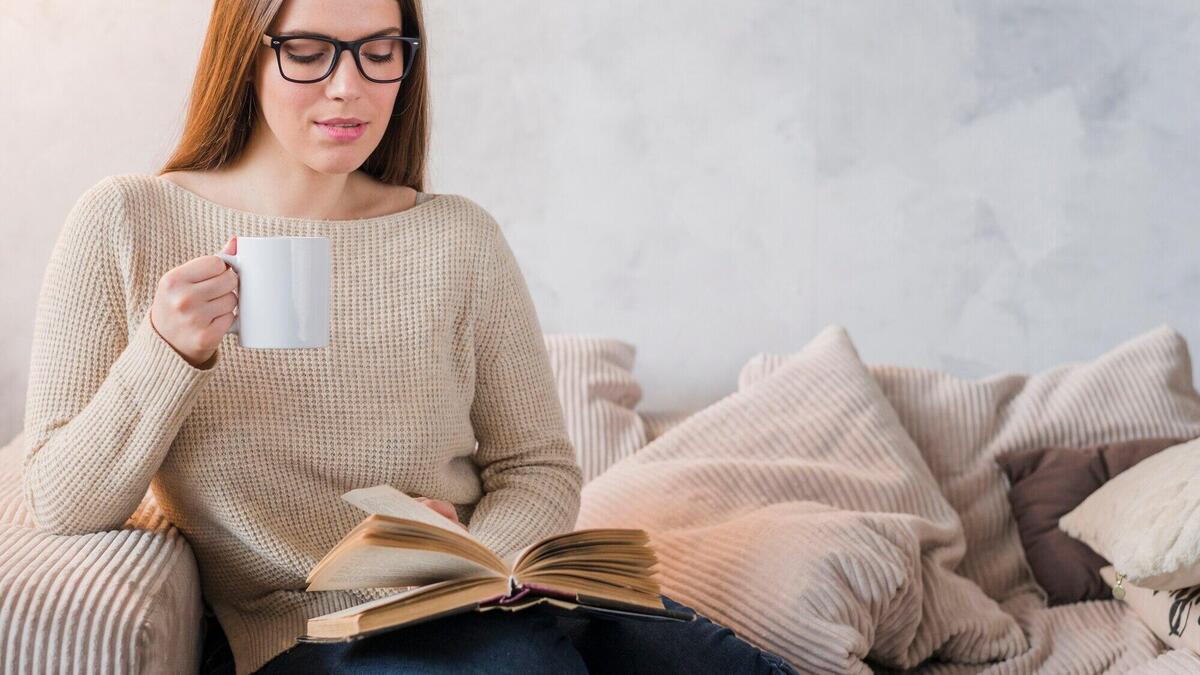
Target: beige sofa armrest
x: 123, y: 601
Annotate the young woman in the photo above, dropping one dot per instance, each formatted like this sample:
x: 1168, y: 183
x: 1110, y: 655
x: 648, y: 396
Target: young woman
x: 309, y: 118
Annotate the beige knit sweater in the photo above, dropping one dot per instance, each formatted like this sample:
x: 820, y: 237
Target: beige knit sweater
x: 436, y: 381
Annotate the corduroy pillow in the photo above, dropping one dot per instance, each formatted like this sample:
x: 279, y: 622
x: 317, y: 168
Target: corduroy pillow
x: 1047, y: 483
x: 1140, y: 388
x: 598, y: 392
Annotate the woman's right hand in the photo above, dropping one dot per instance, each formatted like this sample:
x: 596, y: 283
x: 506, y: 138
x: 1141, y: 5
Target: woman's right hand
x: 193, y: 305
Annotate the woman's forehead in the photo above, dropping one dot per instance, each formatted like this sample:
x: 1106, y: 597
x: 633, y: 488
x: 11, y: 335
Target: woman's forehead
x: 340, y: 19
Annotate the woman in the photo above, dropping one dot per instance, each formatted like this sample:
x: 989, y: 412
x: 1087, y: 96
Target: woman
x: 436, y: 379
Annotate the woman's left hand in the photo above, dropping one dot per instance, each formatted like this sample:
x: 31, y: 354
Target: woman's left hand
x: 443, y: 507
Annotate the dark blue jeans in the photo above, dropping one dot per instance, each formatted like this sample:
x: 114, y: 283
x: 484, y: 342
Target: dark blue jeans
x: 526, y: 642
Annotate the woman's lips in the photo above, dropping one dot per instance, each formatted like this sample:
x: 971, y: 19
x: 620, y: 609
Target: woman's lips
x: 342, y: 133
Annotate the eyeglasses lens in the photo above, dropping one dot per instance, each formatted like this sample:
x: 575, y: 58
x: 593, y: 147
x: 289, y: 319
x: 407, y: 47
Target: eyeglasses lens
x: 381, y: 58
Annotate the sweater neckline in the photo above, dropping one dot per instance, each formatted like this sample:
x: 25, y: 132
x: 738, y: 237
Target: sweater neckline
x: 263, y: 217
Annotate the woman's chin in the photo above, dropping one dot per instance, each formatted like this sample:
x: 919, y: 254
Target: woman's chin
x: 335, y: 162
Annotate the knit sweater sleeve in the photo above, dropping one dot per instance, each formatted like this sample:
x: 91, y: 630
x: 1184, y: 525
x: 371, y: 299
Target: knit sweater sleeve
x: 531, y: 477
x: 103, y: 405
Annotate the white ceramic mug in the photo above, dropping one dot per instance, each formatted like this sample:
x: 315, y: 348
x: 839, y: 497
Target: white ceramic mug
x: 283, y: 291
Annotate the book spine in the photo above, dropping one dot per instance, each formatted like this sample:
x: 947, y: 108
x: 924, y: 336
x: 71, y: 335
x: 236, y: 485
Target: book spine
x: 512, y: 597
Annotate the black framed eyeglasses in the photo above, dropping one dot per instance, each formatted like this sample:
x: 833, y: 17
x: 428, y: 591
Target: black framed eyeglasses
x: 306, y: 58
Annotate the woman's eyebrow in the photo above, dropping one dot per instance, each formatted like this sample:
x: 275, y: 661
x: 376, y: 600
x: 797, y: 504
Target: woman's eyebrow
x: 309, y: 33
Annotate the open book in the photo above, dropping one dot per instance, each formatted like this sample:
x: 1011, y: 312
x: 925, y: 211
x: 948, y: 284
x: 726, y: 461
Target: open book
x: 439, y: 569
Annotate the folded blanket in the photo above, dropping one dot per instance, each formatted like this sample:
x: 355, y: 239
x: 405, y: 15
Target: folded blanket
x: 801, y: 511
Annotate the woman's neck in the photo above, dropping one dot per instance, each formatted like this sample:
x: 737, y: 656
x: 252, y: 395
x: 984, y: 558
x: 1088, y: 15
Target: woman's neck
x: 241, y: 186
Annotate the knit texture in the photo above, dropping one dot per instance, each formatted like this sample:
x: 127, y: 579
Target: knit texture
x: 436, y: 381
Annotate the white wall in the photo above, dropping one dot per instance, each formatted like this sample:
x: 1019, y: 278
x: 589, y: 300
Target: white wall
x: 976, y: 187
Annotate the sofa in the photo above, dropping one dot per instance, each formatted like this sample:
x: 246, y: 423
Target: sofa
x: 129, y: 601
x: 771, y: 512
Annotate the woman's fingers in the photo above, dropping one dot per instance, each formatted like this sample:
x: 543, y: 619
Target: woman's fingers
x: 222, y: 305
x: 443, y: 507
x: 215, y: 287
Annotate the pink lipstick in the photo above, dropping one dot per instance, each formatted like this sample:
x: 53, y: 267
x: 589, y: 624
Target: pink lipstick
x: 341, y: 129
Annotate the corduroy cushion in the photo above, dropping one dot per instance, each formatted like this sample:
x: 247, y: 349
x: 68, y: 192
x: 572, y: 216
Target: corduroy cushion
x: 123, y: 601
x: 598, y: 393
x: 1141, y: 388
x: 1047, y: 483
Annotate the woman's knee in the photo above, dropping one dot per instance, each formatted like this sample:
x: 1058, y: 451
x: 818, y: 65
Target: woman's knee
x: 723, y: 645
x: 698, y: 646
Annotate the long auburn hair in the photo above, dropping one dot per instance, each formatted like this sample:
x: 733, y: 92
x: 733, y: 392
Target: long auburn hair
x: 221, y: 109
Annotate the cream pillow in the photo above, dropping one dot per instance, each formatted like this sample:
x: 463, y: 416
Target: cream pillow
x: 1169, y: 615
x: 1144, y: 522
x: 593, y: 376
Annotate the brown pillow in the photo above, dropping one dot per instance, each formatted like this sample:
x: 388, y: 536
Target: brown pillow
x: 1048, y: 483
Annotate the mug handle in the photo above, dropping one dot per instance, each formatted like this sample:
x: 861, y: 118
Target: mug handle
x: 231, y: 260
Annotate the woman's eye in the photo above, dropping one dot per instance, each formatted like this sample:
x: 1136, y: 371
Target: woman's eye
x: 380, y: 59
x: 304, y: 59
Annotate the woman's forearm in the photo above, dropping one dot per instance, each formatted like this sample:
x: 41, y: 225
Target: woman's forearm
x: 525, y: 502
x: 87, y: 467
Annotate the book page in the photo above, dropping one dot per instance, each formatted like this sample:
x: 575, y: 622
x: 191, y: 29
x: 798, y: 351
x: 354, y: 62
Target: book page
x: 384, y: 566
x: 511, y: 559
x: 389, y: 501
x: 424, y: 603
x: 372, y: 604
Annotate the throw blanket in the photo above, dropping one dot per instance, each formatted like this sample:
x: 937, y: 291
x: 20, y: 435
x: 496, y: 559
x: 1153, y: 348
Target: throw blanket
x: 800, y: 512
x: 802, y: 508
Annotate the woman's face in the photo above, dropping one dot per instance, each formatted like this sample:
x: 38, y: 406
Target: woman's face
x: 294, y: 111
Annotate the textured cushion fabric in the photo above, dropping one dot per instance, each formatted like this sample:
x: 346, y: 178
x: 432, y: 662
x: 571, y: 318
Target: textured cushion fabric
x: 124, y: 601
x: 1047, y: 483
x: 659, y: 422
x: 1141, y: 388
x: 801, y: 515
x: 598, y: 392
x: 1172, y: 615
x: 1171, y: 662
x: 1144, y: 521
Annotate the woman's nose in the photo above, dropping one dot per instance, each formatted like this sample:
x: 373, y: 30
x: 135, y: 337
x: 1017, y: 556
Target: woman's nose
x: 345, y: 80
